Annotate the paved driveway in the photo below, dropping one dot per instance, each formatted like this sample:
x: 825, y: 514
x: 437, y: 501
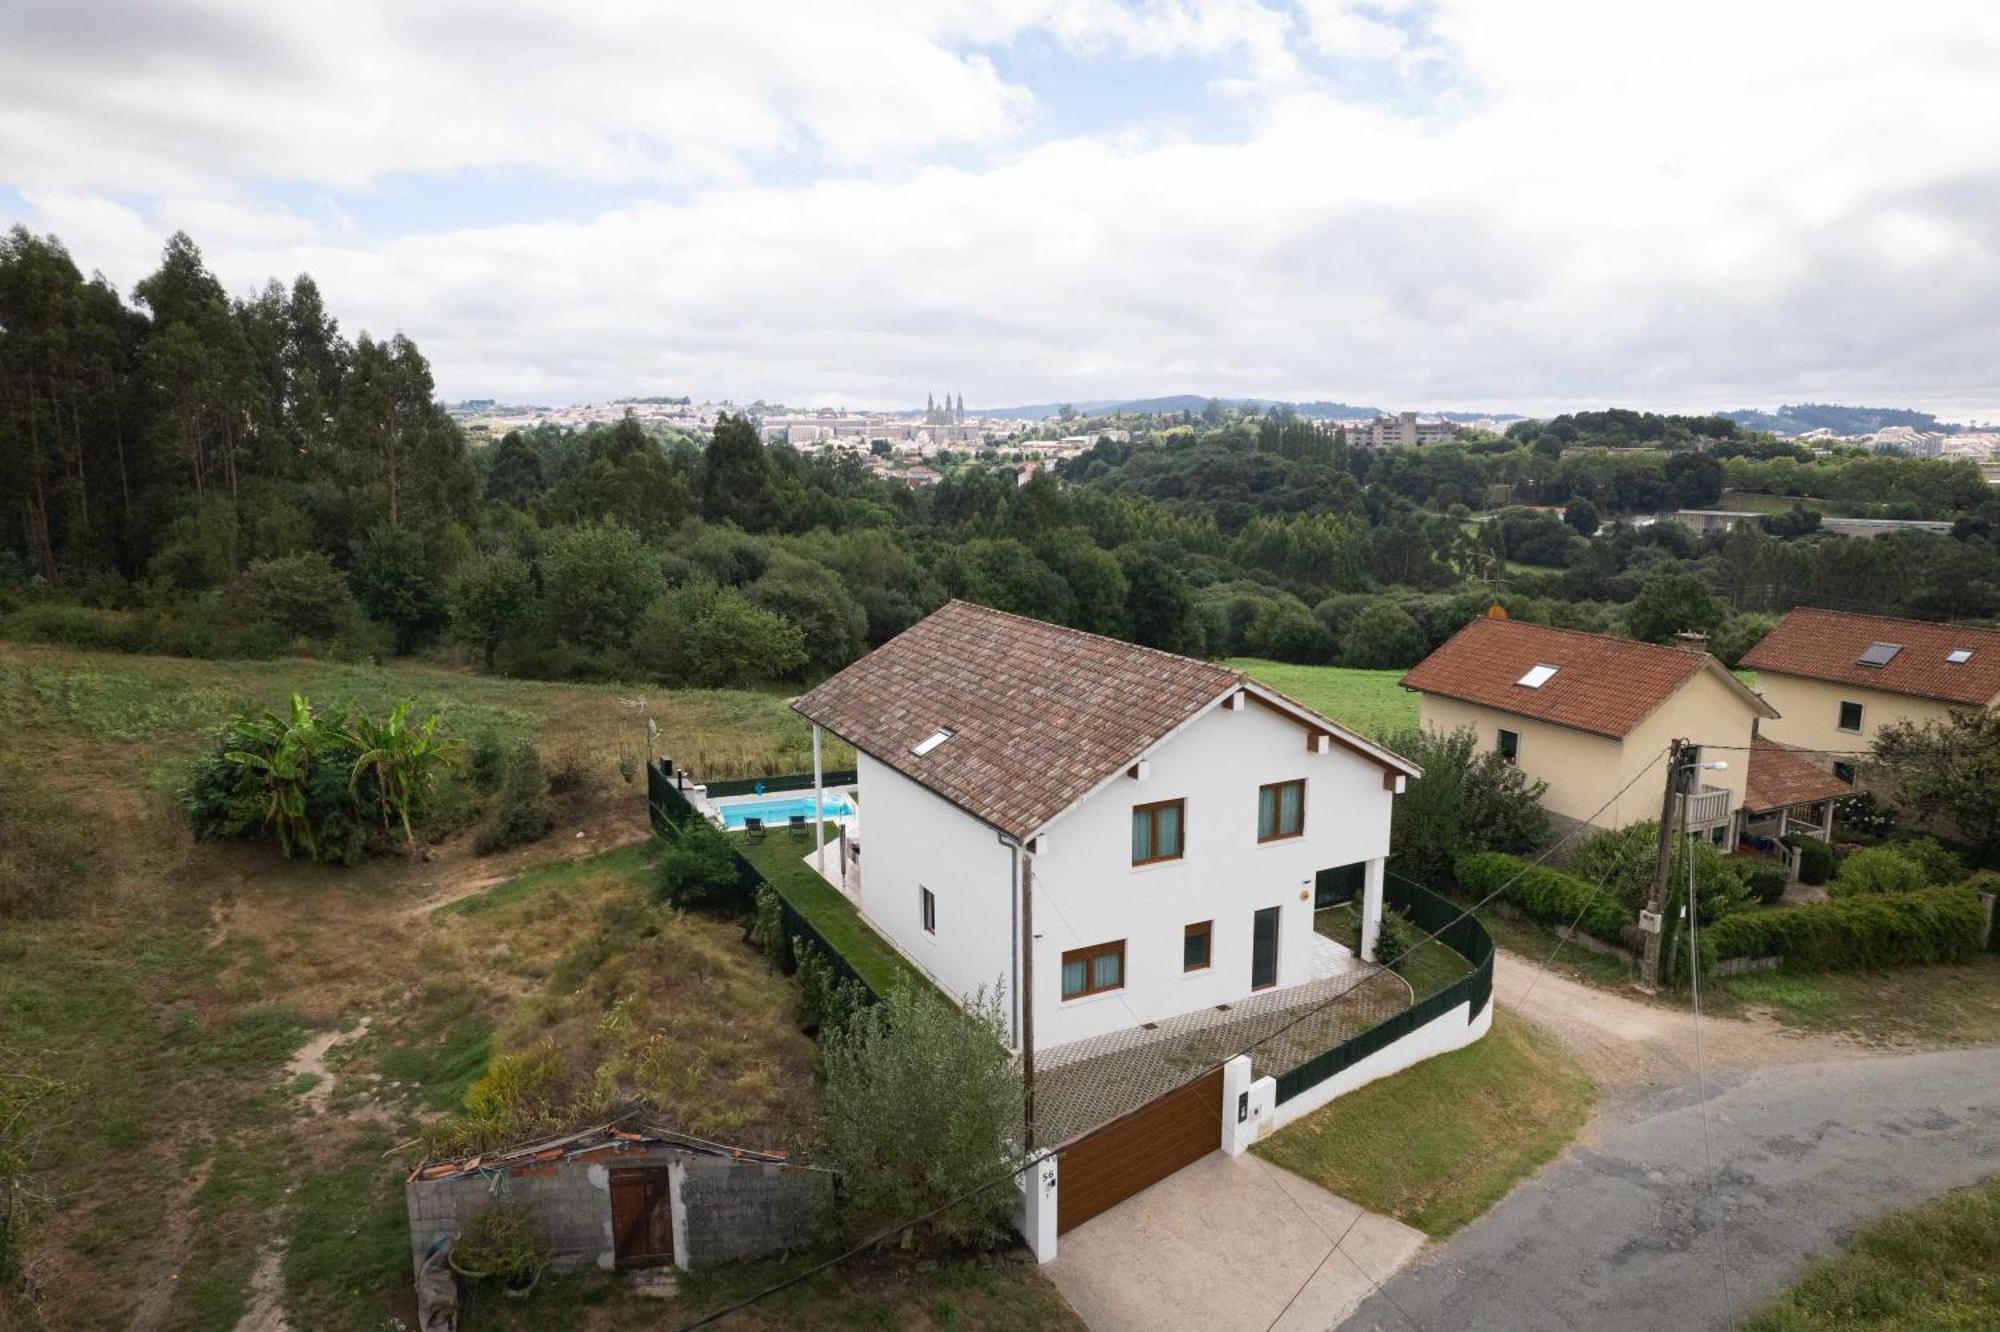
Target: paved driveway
x: 1626, y: 1230
x: 1227, y: 1243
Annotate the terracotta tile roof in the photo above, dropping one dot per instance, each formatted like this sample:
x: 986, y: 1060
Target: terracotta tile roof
x: 1601, y: 684
x: 1780, y: 776
x: 1039, y: 714
x: 1827, y: 645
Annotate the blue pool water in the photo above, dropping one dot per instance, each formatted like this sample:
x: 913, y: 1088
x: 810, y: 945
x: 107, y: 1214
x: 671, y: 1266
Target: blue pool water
x: 777, y: 811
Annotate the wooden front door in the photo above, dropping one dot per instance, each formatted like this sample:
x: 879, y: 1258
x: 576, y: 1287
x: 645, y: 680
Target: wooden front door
x: 642, y: 1216
x: 1139, y: 1150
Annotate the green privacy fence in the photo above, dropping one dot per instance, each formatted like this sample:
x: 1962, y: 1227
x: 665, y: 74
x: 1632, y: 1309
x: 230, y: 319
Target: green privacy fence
x: 671, y: 809
x: 790, y: 781
x: 1454, y: 928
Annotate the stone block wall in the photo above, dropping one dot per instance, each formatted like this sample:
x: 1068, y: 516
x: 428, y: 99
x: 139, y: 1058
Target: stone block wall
x: 725, y: 1210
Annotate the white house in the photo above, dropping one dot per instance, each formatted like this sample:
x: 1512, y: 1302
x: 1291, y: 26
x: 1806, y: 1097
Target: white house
x: 1123, y: 834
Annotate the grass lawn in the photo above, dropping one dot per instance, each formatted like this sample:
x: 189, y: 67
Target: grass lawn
x: 1536, y: 942
x: 1934, y: 1266
x: 1370, y: 702
x: 1940, y: 1005
x: 1436, y: 1145
x: 1429, y: 969
x: 781, y: 858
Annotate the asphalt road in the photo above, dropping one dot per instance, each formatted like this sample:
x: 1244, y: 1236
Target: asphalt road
x: 1632, y: 1229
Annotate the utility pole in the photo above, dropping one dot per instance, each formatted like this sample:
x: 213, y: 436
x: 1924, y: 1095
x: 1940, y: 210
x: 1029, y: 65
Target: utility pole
x: 1652, y: 918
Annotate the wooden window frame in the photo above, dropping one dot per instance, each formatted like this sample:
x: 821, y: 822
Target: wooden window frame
x: 1205, y: 930
x: 1088, y: 956
x: 927, y: 907
x: 1152, y: 807
x: 1500, y: 746
x: 1278, y: 809
x: 1838, y: 721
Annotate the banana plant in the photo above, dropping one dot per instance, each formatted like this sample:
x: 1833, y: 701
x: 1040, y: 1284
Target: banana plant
x: 273, y: 755
x: 404, y: 758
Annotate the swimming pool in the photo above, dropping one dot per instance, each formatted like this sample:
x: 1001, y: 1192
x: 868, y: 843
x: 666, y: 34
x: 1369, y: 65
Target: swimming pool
x: 777, y: 810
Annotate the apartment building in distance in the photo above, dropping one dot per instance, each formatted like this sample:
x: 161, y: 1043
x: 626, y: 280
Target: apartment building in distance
x: 1401, y: 431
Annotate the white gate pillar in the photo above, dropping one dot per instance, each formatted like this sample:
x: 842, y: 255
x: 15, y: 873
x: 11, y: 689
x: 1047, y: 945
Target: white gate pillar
x: 1371, y: 908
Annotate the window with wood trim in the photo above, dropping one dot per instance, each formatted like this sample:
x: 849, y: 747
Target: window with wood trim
x: 1196, y: 952
x: 1094, y: 970
x: 930, y: 910
x: 1159, y: 831
x: 1281, y: 810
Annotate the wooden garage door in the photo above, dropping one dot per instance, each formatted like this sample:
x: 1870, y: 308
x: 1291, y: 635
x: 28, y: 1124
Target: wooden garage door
x: 642, y: 1218
x: 1139, y: 1150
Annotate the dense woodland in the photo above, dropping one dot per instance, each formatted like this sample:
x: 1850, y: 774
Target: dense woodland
x: 191, y: 472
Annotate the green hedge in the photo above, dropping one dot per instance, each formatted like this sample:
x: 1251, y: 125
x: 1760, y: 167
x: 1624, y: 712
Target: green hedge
x: 1856, y: 933
x: 1815, y: 858
x: 1765, y: 878
x: 1546, y: 894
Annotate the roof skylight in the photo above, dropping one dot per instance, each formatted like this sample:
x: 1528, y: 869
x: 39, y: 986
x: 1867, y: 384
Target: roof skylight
x: 1958, y: 656
x: 1537, y: 677
x: 1879, y: 654
x: 930, y: 742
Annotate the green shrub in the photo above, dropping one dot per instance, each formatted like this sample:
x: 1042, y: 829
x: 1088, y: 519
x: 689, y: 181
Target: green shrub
x: 1395, y: 940
x: 1765, y: 880
x: 697, y: 869
x: 1623, y: 861
x: 1862, y: 815
x: 1940, y: 863
x: 1466, y: 801
x: 1849, y: 933
x: 1878, y: 870
x: 1815, y: 858
x: 1546, y: 894
x: 769, y: 930
x: 922, y: 1105
x: 81, y: 627
x: 522, y: 813
x: 828, y: 1000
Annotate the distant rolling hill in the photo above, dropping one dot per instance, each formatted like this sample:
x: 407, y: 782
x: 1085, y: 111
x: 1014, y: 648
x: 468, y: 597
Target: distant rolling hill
x: 1797, y: 418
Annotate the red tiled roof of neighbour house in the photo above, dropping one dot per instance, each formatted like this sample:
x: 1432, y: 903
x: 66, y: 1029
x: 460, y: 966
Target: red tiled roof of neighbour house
x: 1827, y: 645
x: 1602, y: 685
x: 1780, y: 776
x: 1040, y: 715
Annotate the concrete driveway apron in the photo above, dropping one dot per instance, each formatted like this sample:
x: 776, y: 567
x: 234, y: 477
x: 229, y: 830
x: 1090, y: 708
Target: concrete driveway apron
x: 1228, y: 1243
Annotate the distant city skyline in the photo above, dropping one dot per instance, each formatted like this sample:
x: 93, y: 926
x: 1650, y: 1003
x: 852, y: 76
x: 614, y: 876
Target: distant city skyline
x: 1536, y: 206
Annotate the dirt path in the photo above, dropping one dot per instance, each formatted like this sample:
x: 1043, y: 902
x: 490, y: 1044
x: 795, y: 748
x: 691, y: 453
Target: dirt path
x: 267, y: 1294
x: 1629, y: 1041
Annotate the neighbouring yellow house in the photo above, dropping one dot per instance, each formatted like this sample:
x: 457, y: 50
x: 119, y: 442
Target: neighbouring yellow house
x: 1590, y: 714
x: 1838, y: 679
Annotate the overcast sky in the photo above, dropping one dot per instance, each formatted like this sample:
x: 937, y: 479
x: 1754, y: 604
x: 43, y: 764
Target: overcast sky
x: 1526, y: 204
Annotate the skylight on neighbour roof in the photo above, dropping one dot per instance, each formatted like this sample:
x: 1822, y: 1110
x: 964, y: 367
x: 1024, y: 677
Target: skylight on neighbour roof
x: 930, y: 742
x: 1958, y: 656
x: 1879, y: 654
x: 1537, y: 677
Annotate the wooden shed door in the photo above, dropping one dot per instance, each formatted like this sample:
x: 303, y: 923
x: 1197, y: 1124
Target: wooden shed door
x: 1139, y: 1150
x: 642, y: 1217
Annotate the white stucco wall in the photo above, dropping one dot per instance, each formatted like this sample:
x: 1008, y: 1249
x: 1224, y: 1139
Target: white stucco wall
x: 1087, y: 891
x: 912, y: 839
x: 1446, y: 1032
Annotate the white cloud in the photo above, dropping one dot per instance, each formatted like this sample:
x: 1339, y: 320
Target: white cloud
x: 1704, y: 206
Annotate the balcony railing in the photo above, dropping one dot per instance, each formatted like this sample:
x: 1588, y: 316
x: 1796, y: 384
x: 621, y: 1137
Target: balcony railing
x: 1708, y: 805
